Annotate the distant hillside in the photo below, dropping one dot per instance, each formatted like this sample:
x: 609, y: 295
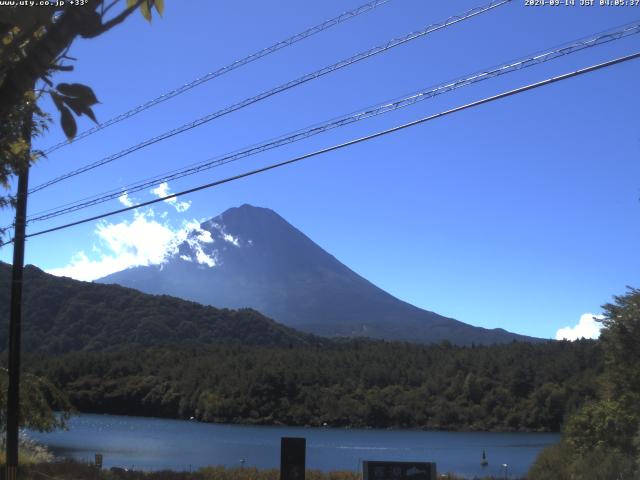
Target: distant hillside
x: 63, y: 315
x: 252, y: 257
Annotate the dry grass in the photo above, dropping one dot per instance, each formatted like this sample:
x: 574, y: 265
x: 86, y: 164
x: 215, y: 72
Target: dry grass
x: 76, y: 471
x: 68, y: 470
x: 30, y: 452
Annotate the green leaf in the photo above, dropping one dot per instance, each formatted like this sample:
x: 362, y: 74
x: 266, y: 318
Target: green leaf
x: 89, y: 113
x: 74, y: 104
x: 79, y: 107
x: 159, y: 4
x: 131, y: 3
x: 57, y: 100
x: 68, y: 123
x: 146, y: 11
x: 91, y: 25
x: 78, y: 90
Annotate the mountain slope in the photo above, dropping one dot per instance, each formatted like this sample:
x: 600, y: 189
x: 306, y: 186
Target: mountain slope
x: 61, y: 315
x: 251, y: 257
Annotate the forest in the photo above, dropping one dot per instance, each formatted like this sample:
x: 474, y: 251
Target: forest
x: 109, y: 349
x: 355, y: 383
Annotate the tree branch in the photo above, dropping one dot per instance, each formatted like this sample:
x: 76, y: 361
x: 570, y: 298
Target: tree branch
x: 108, y: 7
x: 72, y: 23
x: 118, y: 19
x: 42, y: 55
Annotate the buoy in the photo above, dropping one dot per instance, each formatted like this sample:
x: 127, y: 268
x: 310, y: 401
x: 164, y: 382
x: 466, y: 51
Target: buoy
x: 483, y: 462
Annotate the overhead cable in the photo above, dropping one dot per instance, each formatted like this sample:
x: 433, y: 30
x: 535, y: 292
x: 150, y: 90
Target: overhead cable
x: 350, y: 142
x: 514, y: 65
x: 221, y: 71
x: 286, y: 86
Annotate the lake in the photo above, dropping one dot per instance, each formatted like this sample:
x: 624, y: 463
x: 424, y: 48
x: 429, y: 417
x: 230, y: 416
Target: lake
x: 153, y: 444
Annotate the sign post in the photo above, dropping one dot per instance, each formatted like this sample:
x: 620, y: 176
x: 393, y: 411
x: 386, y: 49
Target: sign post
x: 292, y: 458
x: 376, y: 470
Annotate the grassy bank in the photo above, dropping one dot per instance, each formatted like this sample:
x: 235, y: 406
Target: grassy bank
x: 31, y: 453
x: 67, y: 470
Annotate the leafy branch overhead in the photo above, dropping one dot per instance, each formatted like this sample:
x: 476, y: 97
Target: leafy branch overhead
x: 34, y: 46
x: 79, y: 98
x: 74, y: 97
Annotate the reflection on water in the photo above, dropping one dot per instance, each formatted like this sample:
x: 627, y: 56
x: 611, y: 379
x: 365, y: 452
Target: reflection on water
x: 152, y: 444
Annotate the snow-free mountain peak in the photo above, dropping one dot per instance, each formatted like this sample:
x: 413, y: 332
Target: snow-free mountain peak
x: 251, y: 257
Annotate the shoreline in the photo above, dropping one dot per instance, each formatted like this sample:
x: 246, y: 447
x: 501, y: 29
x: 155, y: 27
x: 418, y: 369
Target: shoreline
x: 149, y: 443
x: 319, y: 426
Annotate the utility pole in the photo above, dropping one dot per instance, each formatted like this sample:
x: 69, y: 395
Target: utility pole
x: 15, y: 320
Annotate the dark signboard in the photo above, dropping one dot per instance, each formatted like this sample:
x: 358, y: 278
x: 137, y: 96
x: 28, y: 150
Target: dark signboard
x: 398, y: 470
x: 292, y: 458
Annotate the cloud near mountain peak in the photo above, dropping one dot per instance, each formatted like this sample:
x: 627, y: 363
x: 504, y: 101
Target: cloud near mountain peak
x: 142, y: 241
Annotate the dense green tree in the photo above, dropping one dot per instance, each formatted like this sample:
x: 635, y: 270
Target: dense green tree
x: 40, y: 401
x: 621, y: 340
x: 601, y: 440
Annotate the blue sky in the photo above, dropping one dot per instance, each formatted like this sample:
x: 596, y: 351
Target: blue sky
x: 521, y: 214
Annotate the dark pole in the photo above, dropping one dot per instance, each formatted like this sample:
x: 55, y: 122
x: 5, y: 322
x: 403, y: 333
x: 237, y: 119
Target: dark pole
x: 13, y: 395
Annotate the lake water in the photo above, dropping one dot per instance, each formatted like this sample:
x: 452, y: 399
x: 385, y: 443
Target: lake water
x: 153, y: 444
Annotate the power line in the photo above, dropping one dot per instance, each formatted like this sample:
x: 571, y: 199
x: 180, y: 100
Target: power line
x: 514, y: 65
x: 350, y: 142
x: 286, y: 86
x: 221, y: 71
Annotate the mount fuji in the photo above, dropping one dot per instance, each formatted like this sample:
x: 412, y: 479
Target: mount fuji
x: 251, y: 257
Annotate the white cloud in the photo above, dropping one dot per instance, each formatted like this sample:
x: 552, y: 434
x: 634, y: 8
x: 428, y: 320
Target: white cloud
x: 195, y: 238
x: 125, y: 200
x: 226, y: 236
x: 163, y: 190
x: 231, y: 239
x: 144, y: 238
x: 139, y: 242
x: 587, y: 327
x: 181, y: 206
x: 204, y: 259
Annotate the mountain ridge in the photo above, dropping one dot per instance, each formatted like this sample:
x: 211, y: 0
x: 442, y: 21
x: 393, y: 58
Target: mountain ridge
x: 65, y: 315
x: 252, y: 257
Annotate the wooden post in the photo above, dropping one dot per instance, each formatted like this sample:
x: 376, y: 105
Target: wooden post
x: 292, y: 458
x: 15, y: 319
